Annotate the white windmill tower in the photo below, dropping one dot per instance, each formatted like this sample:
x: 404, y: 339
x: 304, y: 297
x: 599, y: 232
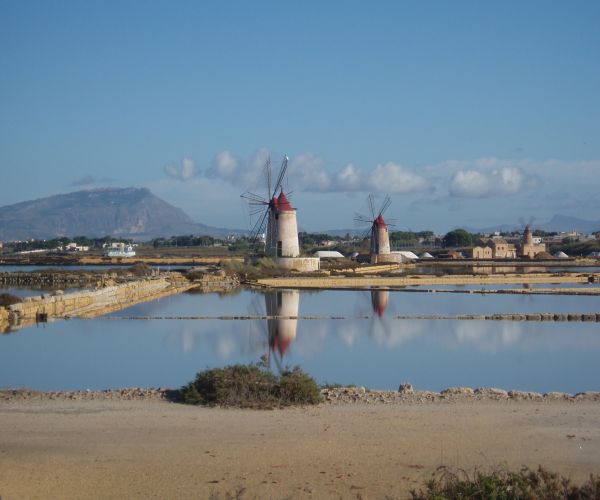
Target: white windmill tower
x: 379, y: 250
x: 276, y: 216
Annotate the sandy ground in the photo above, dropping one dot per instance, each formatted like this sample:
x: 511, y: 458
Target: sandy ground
x: 156, y: 449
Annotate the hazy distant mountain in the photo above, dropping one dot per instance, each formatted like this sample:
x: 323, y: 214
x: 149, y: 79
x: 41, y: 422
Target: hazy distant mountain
x: 122, y: 213
x: 565, y: 223
x: 558, y: 223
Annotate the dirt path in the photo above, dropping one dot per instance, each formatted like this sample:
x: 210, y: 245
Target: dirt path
x: 155, y: 449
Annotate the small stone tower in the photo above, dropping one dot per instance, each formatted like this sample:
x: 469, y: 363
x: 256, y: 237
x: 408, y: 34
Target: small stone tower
x: 527, y: 236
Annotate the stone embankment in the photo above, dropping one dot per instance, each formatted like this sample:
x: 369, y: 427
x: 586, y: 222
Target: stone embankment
x: 512, y: 317
x: 50, y: 279
x: 90, y: 303
x: 216, y: 281
x: 336, y: 396
x: 406, y: 394
x: 359, y: 282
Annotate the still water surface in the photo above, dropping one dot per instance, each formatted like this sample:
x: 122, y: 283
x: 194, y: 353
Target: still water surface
x: 378, y: 351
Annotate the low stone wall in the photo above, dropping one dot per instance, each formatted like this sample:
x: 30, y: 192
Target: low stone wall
x: 216, y: 282
x: 331, y: 282
x: 48, y: 279
x: 90, y: 303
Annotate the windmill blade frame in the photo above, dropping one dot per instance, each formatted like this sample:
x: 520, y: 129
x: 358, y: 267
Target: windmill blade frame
x: 385, y: 204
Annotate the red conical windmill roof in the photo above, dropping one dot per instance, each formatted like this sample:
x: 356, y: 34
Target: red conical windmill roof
x: 379, y: 220
x: 283, y: 203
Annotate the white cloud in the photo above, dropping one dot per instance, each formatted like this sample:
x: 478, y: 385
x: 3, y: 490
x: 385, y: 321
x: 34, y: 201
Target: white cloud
x: 489, y: 177
x: 349, y: 178
x: 225, y: 165
x: 186, y: 171
x: 307, y: 173
x: 393, y: 178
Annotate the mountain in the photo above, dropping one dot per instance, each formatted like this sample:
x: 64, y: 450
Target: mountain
x: 565, y: 223
x: 121, y: 213
x: 558, y: 223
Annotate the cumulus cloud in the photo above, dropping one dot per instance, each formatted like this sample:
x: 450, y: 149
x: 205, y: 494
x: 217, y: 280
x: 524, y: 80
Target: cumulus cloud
x: 394, y: 178
x: 490, y: 177
x: 184, y: 172
x: 225, y: 165
x: 309, y: 172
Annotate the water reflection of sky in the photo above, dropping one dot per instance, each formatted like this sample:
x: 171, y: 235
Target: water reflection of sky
x: 351, y: 303
x: 378, y: 352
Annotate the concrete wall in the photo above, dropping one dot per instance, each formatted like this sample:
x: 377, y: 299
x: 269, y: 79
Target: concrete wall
x: 303, y: 264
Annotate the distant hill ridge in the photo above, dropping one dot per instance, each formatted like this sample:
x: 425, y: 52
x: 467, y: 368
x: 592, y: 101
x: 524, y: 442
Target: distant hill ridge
x: 119, y: 212
x: 558, y: 223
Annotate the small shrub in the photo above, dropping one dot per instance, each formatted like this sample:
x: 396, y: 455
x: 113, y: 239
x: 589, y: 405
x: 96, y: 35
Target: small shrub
x: 502, y: 484
x: 251, y: 386
x: 6, y: 299
x: 195, y: 274
x: 140, y: 269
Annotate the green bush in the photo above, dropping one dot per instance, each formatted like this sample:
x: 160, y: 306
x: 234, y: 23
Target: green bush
x: 502, y: 484
x: 251, y: 386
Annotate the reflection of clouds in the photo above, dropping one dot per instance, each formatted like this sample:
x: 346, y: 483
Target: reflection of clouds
x: 485, y: 336
x: 231, y: 340
x: 395, y: 333
x: 225, y: 338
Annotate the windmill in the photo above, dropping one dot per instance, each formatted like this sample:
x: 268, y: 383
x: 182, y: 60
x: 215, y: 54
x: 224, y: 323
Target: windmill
x: 380, y: 238
x: 274, y: 215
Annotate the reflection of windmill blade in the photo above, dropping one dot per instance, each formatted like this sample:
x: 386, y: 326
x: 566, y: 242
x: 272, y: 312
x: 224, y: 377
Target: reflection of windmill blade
x: 371, y: 202
x: 385, y: 205
x: 259, y: 333
x: 282, y: 170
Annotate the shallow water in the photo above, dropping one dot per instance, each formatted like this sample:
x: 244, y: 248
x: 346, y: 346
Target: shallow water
x: 377, y: 351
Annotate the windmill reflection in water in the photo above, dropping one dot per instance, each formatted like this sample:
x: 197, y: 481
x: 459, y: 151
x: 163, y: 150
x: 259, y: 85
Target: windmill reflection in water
x: 281, y: 309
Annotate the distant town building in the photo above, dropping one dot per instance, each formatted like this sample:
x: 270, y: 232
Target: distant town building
x: 501, y: 249
x: 480, y: 251
x: 74, y: 247
x: 495, y: 248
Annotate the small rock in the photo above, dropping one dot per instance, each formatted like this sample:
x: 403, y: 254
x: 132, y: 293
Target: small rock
x: 463, y: 391
x: 491, y: 391
x: 557, y: 395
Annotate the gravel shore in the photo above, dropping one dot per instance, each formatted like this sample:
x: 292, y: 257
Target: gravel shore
x: 132, y: 444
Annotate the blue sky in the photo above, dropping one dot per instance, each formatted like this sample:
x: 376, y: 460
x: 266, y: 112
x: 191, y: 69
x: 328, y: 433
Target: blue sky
x: 466, y: 113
